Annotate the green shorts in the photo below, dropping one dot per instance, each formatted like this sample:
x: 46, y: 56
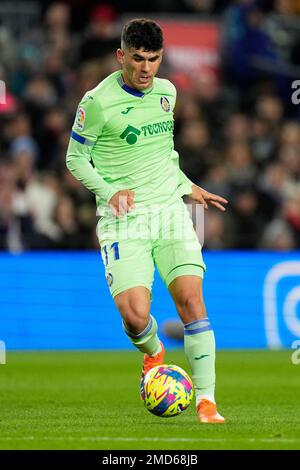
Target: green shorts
x: 133, y: 245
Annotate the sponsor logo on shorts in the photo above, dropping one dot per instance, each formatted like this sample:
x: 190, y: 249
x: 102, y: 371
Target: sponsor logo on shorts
x: 165, y: 104
x: 109, y: 278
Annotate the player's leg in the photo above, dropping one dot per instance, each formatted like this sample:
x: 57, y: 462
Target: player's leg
x: 199, y: 341
x: 141, y: 327
x: 129, y: 271
x: 181, y: 266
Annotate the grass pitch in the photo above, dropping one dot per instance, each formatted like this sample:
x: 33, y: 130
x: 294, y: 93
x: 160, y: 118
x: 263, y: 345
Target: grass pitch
x: 90, y: 400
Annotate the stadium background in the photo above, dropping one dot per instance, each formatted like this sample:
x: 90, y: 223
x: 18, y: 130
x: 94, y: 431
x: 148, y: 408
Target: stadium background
x: 237, y: 132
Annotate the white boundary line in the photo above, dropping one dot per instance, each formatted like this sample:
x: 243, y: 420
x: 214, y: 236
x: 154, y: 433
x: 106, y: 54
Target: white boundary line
x: 146, y: 439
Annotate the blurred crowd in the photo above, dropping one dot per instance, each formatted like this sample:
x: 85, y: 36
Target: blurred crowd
x: 237, y: 134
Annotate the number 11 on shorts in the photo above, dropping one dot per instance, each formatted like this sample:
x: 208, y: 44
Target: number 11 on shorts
x: 113, y: 247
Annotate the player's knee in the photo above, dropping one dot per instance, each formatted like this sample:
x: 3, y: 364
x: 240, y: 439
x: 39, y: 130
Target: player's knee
x: 135, y: 323
x: 191, y: 307
x: 135, y: 316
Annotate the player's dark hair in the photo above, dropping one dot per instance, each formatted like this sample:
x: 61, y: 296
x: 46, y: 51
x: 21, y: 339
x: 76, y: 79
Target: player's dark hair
x: 142, y: 34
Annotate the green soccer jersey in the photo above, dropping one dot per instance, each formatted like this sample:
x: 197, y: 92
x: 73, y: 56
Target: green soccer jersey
x: 123, y: 139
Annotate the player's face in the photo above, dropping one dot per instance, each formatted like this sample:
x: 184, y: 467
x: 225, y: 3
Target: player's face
x: 139, y: 67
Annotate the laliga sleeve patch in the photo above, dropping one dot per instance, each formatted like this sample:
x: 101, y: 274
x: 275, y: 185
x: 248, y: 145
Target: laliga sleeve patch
x: 80, y: 119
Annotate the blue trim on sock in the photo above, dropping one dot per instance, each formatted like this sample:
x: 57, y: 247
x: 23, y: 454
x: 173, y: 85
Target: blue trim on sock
x: 197, y: 326
x: 187, y: 325
x: 197, y: 330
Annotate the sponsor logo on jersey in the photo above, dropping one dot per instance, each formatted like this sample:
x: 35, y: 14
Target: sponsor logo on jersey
x: 130, y: 134
x: 127, y: 110
x: 80, y: 118
x: 158, y: 128
x: 165, y: 104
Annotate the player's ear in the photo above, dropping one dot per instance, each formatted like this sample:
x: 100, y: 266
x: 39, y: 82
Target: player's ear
x: 120, y: 56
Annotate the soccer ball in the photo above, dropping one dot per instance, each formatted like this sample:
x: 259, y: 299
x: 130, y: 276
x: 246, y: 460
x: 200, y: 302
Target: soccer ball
x: 168, y: 390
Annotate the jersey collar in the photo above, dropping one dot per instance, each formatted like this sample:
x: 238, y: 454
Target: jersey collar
x: 132, y: 91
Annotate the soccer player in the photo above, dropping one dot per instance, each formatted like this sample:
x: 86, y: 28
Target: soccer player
x: 121, y: 149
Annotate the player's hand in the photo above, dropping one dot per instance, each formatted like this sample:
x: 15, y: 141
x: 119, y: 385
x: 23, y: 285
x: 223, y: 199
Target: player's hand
x: 205, y: 198
x: 122, y: 202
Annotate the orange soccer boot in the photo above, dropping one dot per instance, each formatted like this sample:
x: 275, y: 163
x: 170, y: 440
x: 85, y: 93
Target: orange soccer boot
x: 207, y: 412
x: 149, y: 363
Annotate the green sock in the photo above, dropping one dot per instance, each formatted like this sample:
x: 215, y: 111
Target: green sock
x: 199, y: 347
x: 147, y: 341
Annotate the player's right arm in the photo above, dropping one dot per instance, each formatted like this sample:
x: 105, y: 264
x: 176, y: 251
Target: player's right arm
x: 86, y: 129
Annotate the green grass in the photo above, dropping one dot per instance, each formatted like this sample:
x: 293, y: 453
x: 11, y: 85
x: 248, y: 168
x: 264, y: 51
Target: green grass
x: 90, y: 400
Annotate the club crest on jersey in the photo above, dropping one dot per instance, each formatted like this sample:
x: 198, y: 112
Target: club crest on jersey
x: 165, y: 104
x: 109, y: 278
x: 80, y: 118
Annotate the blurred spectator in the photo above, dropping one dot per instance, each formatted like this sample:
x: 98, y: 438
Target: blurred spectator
x: 68, y: 233
x: 270, y: 108
x: 282, y: 25
x: 240, y: 165
x: 278, y: 236
x: 250, y: 52
x: 23, y: 149
x: 192, y: 145
x: 290, y: 157
x: 7, y: 46
x: 54, y: 124
x: 291, y: 213
x: 102, y: 36
x: 187, y: 108
x: 263, y: 141
x: 57, y: 24
x: 276, y: 182
x: 246, y: 219
x: 200, y: 6
x: 216, y: 179
x: 217, y: 234
x: 237, y: 128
